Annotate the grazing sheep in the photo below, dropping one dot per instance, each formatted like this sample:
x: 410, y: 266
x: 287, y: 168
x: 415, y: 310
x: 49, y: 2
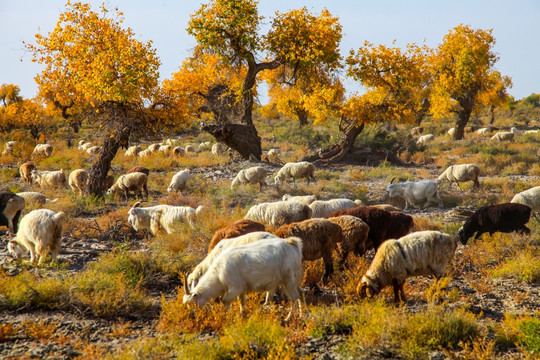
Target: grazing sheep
x: 421, y: 253
x: 272, y: 155
x: 94, y: 150
x: 11, y: 206
x: 189, y: 148
x: 153, y: 147
x: 78, y: 180
x: 43, y: 149
x: 260, y: 266
x: 323, y: 208
x: 503, y: 136
x: 171, y: 142
x: 355, y: 233
x: 160, y: 217
x: 528, y: 132
x: 424, y: 139
x: 219, y: 149
x: 530, y: 197
x: 165, y: 149
x: 382, y: 224
x: 130, y: 182
x: 32, y: 197
x: 81, y: 142
x: 460, y: 173
x: 26, y: 172
x: 204, y: 146
x: 483, y: 131
x: 107, y: 183
x: 386, y: 207
x: 295, y: 170
x: 179, y: 180
x: 415, y: 192
x: 516, y: 131
x: 319, y: 239
x: 144, y: 153
x: 40, y: 233
x: 8, y: 147
x: 279, y: 213
x: 133, y: 150
x: 85, y: 146
x: 49, y: 178
x: 202, y: 267
x: 179, y: 151
x: 253, y: 175
x: 305, y: 199
x: 451, y: 131
x: 505, y: 218
x: 416, y: 131
x: 140, y: 169
x: 237, y: 228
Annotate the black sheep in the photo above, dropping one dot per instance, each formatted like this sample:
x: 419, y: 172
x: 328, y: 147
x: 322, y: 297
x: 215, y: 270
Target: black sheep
x: 496, y: 218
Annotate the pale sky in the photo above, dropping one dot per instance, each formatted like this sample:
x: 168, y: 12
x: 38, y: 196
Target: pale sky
x: 515, y: 24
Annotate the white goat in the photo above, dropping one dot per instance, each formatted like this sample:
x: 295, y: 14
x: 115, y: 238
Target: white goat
x: 179, y: 180
x: 460, y: 173
x: 295, y: 170
x: 416, y: 254
x: 261, y: 266
x: 323, y: 208
x: 279, y: 213
x: 415, y: 192
x: 40, y: 232
x: 530, y: 197
x: 160, y: 217
x: 253, y: 175
x: 49, y: 178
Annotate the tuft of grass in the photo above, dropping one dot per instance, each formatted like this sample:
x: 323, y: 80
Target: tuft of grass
x: 7, y: 331
x: 524, y: 266
x: 39, y: 329
x: 522, y: 331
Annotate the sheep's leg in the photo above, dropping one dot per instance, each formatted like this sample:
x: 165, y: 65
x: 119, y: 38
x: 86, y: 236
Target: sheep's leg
x: 395, y: 284
x: 402, y: 292
x: 344, y: 255
x: 126, y: 195
x: 328, y: 267
x: 145, y: 188
x: 524, y: 230
x: 242, y: 300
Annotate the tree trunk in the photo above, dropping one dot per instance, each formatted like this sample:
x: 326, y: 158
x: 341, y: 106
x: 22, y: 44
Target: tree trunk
x: 335, y: 153
x: 302, y: 117
x: 461, y: 122
x: 240, y: 137
x: 491, y: 114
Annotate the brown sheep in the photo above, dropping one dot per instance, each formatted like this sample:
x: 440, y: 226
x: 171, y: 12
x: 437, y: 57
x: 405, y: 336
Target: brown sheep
x: 319, y: 239
x: 140, y: 169
x: 235, y: 229
x: 26, y: 172
x: 78, y: 180
x: 355, y: 234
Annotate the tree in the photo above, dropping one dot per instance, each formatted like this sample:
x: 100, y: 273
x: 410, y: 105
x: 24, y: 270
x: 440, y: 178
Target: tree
x: 34, y: 118
x: 10, y: 106
x: 463, y: 71
x: 95, y: 66
x: 497, y: 94
x: 229, y: 29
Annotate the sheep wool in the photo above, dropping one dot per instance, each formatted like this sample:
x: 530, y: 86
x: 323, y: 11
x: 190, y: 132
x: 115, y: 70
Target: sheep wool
x: 279, y: 213
x: 252, y: 175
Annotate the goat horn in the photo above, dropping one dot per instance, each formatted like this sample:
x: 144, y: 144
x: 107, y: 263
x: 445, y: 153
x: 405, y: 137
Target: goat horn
x: 137, y: 204
x: 184, y: 279
x: 391, y: 181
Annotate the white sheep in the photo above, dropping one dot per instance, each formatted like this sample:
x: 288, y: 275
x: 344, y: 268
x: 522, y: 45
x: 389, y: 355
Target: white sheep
x: 304, y: 199
x: 49, y: 178
x: 530, y: 197
x: 515, y: 131
x: 179, y: 151
x: 219, y: 149
x: 295, y: 170
x: 179, y: 180
x: 85, y: 146
x: 261, y: 266
x: 424, y: 139
x: 135, y: 181
x: 451, y: 131
x: 78, y: 180
x: 153, y: 148
x: 133, y: 150
x: 529, y: 132
x: 323, y: 208
x: 204, y: 146
x: 33, y: 197
x: 144, y: 153
x: 420, y: 253
x: 189, y: 148
x: 460, y: 173
x: 202, y: 267
x: 40, y: 232
x: 483, y: 131
x: 8, y: 147
x: 43, y: 149
x: 253, y: 175
x: 165, y: 149
x: 272, y: 155
x: 415, y: 192
x: 160, y: 217
x: 503, y: 136
x: 81, y: 142
x: 93, y: 150
x: 279, y: 213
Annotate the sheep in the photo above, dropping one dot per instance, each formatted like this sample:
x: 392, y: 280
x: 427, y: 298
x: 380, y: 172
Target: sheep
x: 78, y: 180
x: 252, y: 175
x: 165, y: 149
x: 355, y: 233
x: 382, y: 224
x: 503, y: 136
x: 305, y: 199
x: 420, y: 253
x: 133, y: 150
x: 483, y: 131
x: 81, y: 142
x: 40, y: 232
x: 11, y: 206
x: 295, y: 170
x: 43, y: 149
x: 93, y: 150
x: 153, y: 147
x: 179, y: 180
x: 528, y: 132
x: 144, y: 153
x: 171, y: 142
x: 319, y: 239
x: 85, y: 146
x: 451, y: 131
x: 189, y: 148
x: 26, y: 172
x: 386, y: 207
x: 35, y: 198
x: 506, y: 218
x: 49, y: 178
x: 260, y: 266
x: 179, y: 151
x: 516, y: 131
x: 130, y: 182
x: 415, y: 131
x: 424, y: 139
x: 323, y: 208
x: 279, y: 213
x: 219, y: 149
x: 140, y: 169
x: 204, y: 265
x: 204, y: 146
x: 460, y: 173
x: 107, y: 183
x: 415, y: 192
x: 530, y: 197
x: 8, y: 147
x: 143, y: 218
x: 237, y: 228
x: 272, y: 155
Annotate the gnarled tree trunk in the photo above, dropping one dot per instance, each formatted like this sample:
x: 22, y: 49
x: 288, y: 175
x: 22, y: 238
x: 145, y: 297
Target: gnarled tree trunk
x: 240, y: 137
x: 335, y: 153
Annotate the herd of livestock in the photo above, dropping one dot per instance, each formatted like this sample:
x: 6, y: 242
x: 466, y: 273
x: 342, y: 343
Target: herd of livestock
x: 246, y: 257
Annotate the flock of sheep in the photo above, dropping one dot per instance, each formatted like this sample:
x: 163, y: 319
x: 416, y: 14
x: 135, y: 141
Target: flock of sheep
x: 498, y: 136
x: 246, y: 257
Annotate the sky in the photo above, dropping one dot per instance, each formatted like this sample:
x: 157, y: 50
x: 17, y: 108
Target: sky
x: 515, y: 24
